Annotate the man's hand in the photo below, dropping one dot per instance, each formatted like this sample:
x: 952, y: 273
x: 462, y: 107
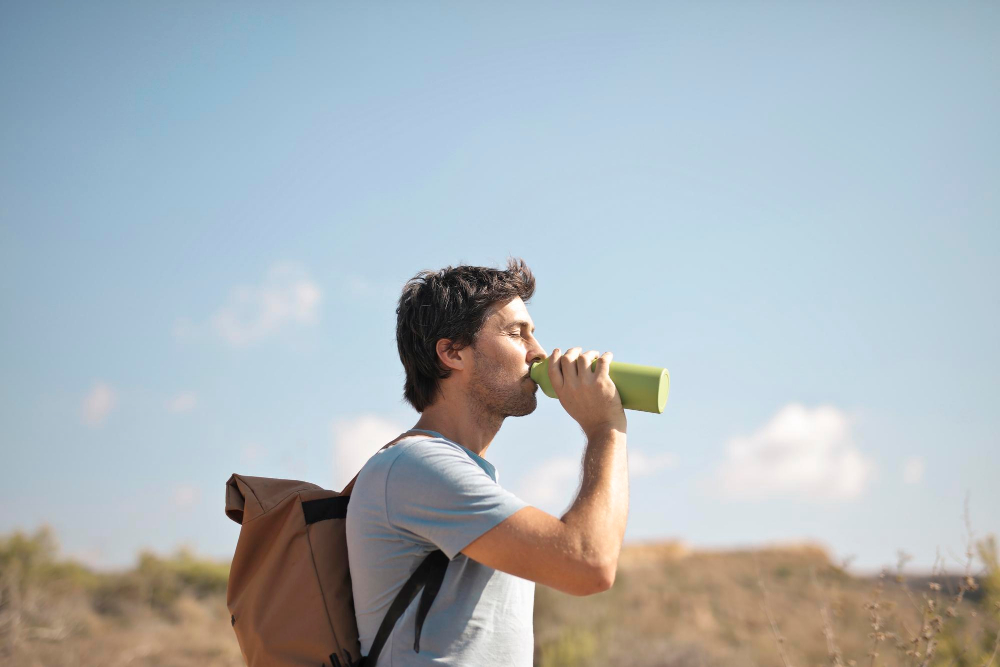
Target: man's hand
x: 589, y: 396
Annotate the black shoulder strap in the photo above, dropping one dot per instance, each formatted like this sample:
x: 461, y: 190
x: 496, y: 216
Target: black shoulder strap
x: 428, y: 575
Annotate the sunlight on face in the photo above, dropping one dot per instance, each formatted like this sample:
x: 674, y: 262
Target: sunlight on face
x: 513, y: 328
x: 504, y: 350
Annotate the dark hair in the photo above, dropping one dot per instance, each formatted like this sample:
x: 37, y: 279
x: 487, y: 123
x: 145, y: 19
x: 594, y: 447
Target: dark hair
x: 452, y: 303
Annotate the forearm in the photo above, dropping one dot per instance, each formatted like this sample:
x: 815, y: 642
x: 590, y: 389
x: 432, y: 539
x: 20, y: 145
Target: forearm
x: 599, y: 514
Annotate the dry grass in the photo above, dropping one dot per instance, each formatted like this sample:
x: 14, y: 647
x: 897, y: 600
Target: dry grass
x: 164, y: 612
x: 197, y: 633
x: 789, y: 607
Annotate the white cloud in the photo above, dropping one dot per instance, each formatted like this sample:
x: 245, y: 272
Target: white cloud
x: 913, y: 470
x: 641, y: 464
x: 182, y: 402
x: 800, y: 454
x: 354, y: 442
x: 553, y: 483
x: 287, y: 296
x: 186, y: 496
x: 98, y: 403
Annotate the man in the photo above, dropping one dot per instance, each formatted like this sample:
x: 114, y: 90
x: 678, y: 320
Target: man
x: 467, y: 342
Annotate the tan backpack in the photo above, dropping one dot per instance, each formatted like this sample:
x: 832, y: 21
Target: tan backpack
x: 289, y: 592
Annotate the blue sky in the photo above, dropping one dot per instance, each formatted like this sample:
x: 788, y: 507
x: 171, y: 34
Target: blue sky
x: 207, y: 212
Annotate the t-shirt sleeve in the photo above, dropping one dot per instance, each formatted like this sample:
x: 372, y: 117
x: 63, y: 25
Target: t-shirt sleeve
x: 436, y: 492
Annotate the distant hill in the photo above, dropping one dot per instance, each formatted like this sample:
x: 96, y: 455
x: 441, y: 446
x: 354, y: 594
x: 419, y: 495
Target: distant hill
x: 670, y: 605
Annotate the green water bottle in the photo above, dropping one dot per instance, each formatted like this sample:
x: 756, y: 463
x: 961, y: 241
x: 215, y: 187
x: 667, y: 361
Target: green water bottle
x: 640, y: 387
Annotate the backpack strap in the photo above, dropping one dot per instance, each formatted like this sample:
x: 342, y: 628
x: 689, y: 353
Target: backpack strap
x: 428, y: 575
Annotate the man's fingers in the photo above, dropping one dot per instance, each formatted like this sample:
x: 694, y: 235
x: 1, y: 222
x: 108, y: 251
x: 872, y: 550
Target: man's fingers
x: 603, y: 363
x: 555, y: 369
x: 583, y: 363
x: 568, y: 362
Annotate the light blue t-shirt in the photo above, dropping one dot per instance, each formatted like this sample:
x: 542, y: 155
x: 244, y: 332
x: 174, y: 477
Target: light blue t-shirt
x: 422, y: 494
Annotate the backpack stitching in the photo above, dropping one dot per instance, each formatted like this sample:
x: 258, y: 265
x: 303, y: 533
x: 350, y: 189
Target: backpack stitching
x: 322, y: 593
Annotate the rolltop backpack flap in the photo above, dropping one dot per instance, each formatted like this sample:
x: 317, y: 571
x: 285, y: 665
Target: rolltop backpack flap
x: 236, y: 499
x: 249, y: 497
x: 274, y: 595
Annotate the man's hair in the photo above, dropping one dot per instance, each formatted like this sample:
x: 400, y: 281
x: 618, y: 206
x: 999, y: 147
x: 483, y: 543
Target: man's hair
x: 452, y: 303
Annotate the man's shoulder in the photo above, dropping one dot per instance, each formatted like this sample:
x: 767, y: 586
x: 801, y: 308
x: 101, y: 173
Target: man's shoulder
x: 412, y: 455
x: 425, y: 454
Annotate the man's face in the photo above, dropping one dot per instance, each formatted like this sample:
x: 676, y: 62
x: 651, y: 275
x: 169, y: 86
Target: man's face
x: 505, y: 348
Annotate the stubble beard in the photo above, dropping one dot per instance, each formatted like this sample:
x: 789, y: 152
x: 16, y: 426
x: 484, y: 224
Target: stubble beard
x: 497, y: 397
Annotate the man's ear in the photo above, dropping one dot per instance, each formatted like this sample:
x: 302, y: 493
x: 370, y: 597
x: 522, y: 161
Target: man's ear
x: 451, y: 356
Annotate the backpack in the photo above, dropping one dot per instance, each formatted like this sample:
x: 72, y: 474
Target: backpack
x: 289, y: 593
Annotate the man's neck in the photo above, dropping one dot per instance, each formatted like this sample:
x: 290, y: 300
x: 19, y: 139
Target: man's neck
x: 472, y: 431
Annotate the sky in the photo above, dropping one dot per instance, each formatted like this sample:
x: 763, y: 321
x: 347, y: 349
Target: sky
x: 208, y: 211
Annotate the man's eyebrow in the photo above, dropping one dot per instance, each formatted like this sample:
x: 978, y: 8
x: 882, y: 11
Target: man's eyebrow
x: 519, y: 322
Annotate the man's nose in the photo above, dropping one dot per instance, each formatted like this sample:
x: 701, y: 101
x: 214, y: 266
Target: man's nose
x: 536, y: 354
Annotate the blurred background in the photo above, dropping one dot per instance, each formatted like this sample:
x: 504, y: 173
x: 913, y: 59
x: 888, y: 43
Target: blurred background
x: 208, y: 210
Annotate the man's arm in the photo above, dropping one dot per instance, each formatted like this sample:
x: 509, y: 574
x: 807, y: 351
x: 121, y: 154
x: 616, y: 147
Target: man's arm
x: 577, y: 554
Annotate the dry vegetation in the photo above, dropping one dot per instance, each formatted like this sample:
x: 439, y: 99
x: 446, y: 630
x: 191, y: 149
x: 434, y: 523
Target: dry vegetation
x: 669, y: 606
x: 59, y: 614
x: 783, y: 607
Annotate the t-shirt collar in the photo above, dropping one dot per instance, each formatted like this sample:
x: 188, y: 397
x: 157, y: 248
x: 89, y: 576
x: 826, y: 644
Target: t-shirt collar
x: 483, y: 463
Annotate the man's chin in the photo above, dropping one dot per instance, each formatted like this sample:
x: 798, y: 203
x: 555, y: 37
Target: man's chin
x: 522, y: 407
x: 528, y: 407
